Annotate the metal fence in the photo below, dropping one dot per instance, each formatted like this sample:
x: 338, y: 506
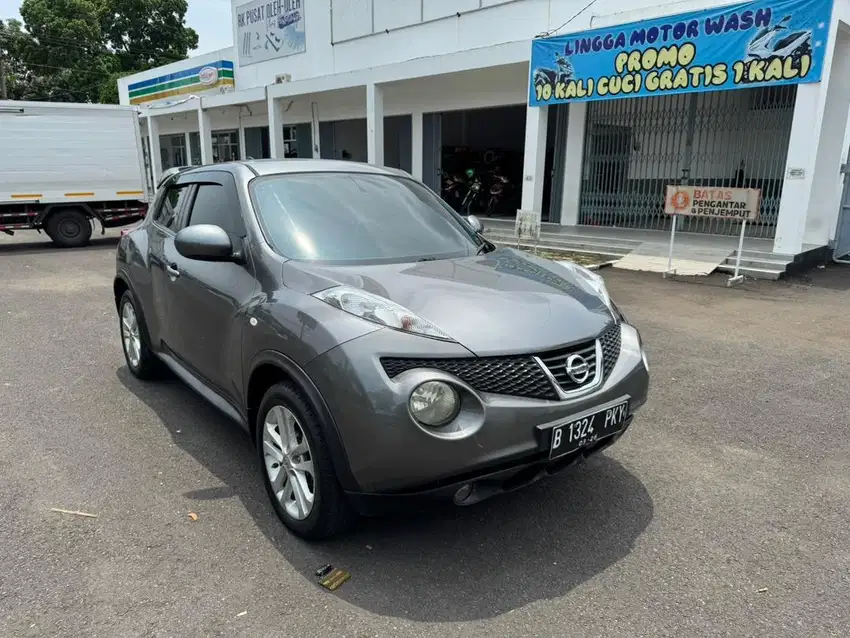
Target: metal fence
x: 635, y: 147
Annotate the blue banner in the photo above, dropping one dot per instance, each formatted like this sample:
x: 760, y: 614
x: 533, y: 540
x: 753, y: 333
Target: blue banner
x: 747, y: 45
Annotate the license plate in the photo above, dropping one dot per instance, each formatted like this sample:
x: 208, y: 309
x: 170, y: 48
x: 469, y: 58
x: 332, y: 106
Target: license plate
x: 586, y: 430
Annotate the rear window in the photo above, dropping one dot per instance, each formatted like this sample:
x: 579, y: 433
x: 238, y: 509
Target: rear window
x: 358, y: 218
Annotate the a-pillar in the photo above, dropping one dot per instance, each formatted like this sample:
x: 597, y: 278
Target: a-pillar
x: 417, y: 145
x: 205, y: 134
x: 374, y: 124
x: 154, y: 150
x: 534, y: 160
x: 276, y: 150
x: 573, y: 155
x: 810, y: 200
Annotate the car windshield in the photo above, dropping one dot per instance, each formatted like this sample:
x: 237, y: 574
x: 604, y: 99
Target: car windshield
x: 358, y: 218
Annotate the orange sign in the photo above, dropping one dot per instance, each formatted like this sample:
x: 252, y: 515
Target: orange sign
x: 698, y: 201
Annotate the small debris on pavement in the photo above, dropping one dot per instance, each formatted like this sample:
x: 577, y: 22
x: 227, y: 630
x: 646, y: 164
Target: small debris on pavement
x: 241, y: 613
x: 193, y: 517
x: 331, y: 578
x: 73, y: 513
x: 369, y: 547
x: 762, y: 590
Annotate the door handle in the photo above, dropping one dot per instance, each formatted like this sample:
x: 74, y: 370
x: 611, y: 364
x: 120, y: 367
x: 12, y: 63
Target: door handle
x: 172, y: 270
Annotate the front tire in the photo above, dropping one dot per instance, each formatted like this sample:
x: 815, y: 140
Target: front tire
x: 69, y: 228
x: 297, y: 468
x: 140, y: 360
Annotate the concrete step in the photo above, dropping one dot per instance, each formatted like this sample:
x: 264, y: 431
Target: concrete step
x: 770, y: 274
x: 756, y: 262
x: 575, y: 242
x: 764, y: 254
x: 611, y: 253
x: 560, y: 238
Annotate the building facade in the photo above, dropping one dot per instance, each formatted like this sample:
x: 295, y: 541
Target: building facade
x: 437, y: 87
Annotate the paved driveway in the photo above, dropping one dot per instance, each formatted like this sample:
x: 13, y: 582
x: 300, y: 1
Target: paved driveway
x: 724, y: 511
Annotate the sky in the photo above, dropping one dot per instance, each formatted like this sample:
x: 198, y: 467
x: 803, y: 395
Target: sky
x: 210, y: 18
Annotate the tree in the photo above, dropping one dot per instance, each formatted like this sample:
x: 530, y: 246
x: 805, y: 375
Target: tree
x: 75, y: 50
x: 145, y: 34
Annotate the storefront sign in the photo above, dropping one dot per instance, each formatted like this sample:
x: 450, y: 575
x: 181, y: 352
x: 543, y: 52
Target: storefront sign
x: 760, y: 43
x: 270, y: 29
x: 728, y: 203
x: 217, y: 77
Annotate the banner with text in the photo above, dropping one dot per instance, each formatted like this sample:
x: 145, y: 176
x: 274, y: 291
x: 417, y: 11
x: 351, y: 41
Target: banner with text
x: 270, y: 29
x: 748, y: 45
x: 727, y: 203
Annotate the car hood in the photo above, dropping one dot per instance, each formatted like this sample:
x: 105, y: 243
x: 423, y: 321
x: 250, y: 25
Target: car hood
x: 502, y: 302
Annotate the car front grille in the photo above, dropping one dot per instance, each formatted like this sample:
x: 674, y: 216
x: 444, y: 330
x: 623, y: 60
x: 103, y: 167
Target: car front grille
x: 518, y: 375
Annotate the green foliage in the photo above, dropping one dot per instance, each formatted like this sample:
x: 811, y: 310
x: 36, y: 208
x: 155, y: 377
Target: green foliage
x: 75, y: 50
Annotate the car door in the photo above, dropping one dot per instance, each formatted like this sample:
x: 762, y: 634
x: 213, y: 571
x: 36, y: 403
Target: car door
x: 206, y: 298
x: 170, y: 201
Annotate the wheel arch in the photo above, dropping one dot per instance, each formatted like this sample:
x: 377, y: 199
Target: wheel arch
x: 48, y: 210
x: 271, y: 367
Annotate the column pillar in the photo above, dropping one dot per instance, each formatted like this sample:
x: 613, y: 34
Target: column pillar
x: 187, y: 140
x: 417, y: 145
x: 154, y: 150
x: 275, y: 128
x: 375, y: 124
x: 243, y: 151
x: 205, y: 134
x: 314, y: 131
x: 534, y: 160
x: 573, y: 159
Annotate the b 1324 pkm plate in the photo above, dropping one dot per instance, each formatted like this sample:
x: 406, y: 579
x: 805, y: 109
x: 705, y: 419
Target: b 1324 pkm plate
x: 587, y: 429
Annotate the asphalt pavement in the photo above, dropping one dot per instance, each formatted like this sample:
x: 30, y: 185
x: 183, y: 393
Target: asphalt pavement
x: 723, y: 512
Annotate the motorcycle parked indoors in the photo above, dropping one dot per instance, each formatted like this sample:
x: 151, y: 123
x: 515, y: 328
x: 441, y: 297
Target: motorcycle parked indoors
x: 471, y: 201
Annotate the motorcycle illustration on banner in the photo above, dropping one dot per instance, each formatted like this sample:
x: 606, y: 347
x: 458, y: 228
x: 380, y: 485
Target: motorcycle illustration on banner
x: 759, y: 43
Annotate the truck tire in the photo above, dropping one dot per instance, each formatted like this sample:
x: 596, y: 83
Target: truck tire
x: 69, y: 228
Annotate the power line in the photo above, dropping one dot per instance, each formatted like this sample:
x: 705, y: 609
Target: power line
x: 552, y: 32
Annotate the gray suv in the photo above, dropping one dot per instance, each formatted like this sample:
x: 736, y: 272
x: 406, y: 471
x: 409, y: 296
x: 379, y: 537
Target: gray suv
x: 374, y: 345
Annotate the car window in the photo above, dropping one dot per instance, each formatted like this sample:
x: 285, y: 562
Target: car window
x: 218, y: 205
x: 171, y: 200
x: 357, y: 218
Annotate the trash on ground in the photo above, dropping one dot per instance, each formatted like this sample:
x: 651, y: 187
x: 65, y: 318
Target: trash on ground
x: 73, y: 513
x: 193, y: 517
x: 241, y: 613
x: 331, y: 578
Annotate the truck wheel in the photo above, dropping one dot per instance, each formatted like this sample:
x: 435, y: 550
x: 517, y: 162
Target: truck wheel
x: 69, y: 228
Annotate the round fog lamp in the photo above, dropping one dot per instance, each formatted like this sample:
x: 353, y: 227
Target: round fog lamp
x: 434, y: 403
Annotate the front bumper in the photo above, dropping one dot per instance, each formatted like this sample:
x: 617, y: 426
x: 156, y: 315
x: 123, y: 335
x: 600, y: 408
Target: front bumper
x: 502, y: 441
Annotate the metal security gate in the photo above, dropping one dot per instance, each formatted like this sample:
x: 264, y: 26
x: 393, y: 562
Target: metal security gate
x: 841, y: 250
x: 635, y: 147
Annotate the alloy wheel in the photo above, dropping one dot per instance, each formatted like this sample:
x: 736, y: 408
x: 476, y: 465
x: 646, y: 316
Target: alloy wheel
x: 130, y: 335
x: 289, y: 462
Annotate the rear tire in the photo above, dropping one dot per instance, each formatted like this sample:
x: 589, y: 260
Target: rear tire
x: 296, y: 466
x: 142, y: 363
x: 69, y: 228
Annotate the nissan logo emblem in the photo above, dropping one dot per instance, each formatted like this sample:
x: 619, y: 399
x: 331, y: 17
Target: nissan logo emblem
x: 578, y: 369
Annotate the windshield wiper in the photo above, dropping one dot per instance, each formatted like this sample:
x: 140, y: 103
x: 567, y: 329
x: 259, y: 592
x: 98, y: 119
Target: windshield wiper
x: 427, y: 259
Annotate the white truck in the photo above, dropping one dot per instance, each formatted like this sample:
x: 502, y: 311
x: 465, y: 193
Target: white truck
x: 66, y: 167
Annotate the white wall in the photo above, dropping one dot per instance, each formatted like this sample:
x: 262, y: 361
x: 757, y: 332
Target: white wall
x: 349, y: 35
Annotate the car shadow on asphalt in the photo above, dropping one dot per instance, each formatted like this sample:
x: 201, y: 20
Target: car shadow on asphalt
x: 47, y: 246
x: 445, y: 565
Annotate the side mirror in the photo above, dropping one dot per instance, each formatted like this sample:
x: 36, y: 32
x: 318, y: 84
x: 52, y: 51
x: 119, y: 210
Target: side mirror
x: 204, y: 242
x: 475, y: 224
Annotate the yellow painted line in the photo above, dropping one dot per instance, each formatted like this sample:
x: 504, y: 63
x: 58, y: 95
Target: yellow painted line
x: 27, y: 195
x: 79, y: 194
x: 130, y: 193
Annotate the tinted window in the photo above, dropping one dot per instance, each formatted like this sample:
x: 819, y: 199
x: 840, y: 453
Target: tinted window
x: 217, y: 205
x: 357, y: 218
x: 170, y: 205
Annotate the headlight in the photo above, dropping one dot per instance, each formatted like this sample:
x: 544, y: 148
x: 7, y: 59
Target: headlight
x: 434, y: 403
x: 379, y: 310
x: 591, y: 282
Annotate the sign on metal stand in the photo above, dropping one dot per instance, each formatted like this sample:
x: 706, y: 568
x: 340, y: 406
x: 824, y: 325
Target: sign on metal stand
x: 726, y: 203
x: 527, y: 227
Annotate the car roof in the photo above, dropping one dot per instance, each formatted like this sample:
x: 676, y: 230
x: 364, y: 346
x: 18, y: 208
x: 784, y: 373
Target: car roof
x: 264, y: 167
